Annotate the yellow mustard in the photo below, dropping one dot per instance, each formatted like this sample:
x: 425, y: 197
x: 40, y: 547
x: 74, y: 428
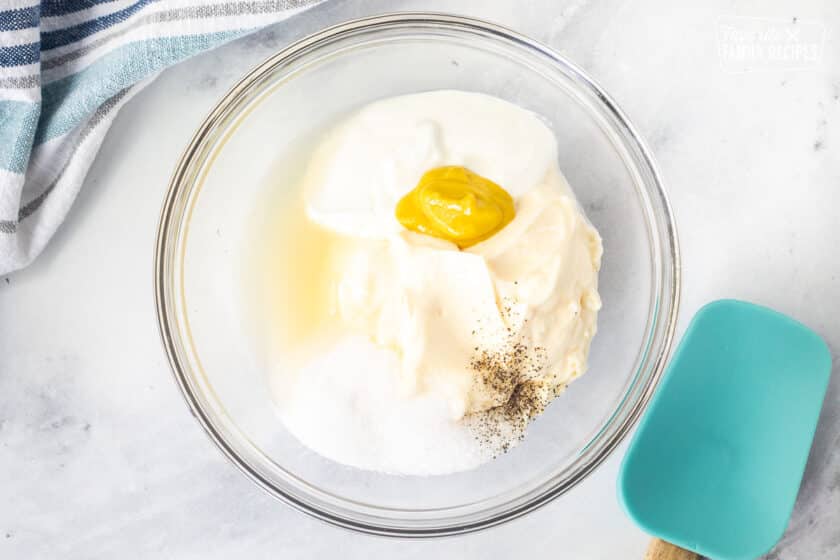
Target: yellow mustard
x: 455, y: 204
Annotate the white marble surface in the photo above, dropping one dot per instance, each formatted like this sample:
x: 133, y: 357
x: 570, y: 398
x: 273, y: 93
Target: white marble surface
x: 99, y: 456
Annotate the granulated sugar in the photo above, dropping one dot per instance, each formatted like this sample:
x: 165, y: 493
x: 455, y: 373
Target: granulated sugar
x: 347, y: 405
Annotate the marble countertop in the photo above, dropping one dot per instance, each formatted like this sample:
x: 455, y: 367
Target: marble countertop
x: 99, y: 456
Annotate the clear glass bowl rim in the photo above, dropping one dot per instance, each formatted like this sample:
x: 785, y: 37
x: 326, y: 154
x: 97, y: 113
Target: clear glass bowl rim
x: 660, y: 332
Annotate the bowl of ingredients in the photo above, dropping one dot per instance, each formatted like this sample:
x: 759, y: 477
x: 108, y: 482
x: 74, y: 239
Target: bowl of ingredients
x: 416, y: 275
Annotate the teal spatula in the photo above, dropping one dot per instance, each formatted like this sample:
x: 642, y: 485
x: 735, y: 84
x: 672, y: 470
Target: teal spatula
x: 716, y: 463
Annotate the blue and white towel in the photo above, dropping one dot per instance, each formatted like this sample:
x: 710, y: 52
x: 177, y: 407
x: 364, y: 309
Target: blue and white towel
x: 66, y: 68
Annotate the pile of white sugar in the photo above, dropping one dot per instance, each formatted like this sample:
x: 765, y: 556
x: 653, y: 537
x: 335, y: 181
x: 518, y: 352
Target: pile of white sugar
x: 347, y: 405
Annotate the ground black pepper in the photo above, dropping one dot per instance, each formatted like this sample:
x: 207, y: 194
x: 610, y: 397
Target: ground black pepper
x: 511, y: 374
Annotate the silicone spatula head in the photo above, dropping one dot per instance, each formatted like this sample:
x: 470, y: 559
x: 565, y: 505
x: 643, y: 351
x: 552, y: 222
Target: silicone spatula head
x: 717, y: 460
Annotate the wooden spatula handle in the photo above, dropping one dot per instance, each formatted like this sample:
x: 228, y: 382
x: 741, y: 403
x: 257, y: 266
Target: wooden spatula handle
x: 661, y: 550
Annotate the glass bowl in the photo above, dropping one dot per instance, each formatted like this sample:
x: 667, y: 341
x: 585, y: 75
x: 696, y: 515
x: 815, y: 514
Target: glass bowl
x: 218, y: 192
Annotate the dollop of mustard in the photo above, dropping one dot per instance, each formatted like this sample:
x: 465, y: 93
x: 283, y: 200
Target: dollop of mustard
x: 457, y: 205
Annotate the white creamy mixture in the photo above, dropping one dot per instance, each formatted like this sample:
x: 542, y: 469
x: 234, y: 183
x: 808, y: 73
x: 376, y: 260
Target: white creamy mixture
x: 426, y: 348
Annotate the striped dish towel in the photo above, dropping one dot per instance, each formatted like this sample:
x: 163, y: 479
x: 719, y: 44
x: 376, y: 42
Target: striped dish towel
x: 66, y: 68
